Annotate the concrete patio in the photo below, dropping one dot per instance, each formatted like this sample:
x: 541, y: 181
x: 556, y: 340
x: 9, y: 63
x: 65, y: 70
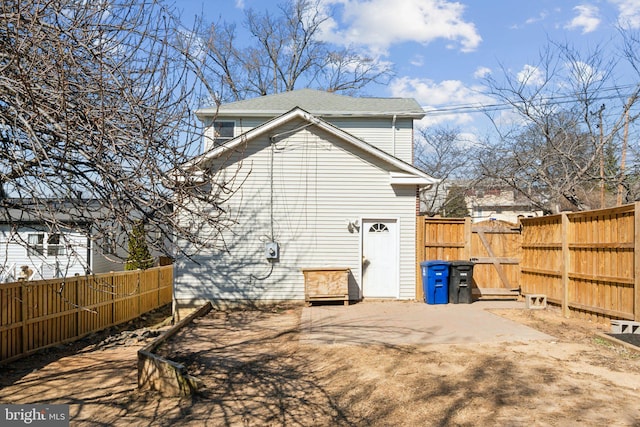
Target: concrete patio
x: 410, y: 322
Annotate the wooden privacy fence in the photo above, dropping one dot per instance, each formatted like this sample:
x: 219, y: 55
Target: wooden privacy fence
x: 40, y: 314
x: 494, y: 247
x: 586, y: 262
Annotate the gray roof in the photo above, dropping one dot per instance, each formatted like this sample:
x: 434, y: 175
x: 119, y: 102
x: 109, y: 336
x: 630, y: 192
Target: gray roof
x: 319, y: 103
x: 41, y: 211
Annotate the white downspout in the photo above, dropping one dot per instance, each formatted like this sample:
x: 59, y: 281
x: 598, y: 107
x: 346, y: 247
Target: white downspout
x: 393, y: 140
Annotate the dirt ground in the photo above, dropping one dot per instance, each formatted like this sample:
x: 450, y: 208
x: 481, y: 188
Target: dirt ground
x: 257, y: 373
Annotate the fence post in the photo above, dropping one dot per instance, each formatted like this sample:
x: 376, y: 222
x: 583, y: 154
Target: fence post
x: 23, y: 315
x: 78, y: 305
x: 636, y: 262
x: 114, y: 292
x: 159, y: 284
x: 139, y: 287
x: 566, y: 259
x: 467, y: 238
x: 420, y: 256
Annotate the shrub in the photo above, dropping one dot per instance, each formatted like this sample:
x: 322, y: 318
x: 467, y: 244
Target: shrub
x: 139, y: 255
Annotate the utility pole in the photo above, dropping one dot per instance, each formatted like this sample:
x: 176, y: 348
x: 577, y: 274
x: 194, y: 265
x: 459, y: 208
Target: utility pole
x: 601, y: 159
x: 623, y: 157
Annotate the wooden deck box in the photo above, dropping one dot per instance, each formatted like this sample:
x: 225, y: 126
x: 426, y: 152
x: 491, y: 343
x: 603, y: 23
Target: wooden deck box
x: 326, y: 284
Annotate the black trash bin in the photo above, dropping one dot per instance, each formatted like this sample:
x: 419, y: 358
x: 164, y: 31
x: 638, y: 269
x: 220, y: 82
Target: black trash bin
x: 434, y: 281
x: 460, y: 281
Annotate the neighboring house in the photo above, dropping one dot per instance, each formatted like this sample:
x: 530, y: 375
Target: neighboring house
x: 498, y: 203
x: 31, y: 249
x: 326, y: 182
x: 483, y: 202
x: 31, y: 252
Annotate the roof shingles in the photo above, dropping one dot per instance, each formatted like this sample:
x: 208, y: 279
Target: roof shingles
x: 318, y: 103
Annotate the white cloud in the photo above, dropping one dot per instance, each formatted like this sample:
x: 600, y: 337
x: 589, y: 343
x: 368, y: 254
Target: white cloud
x: 417, y: 61
x: 240, y: 4
x: 587, y: 19
x: 540, y: 17
x: 629, y: 12
x: 506, y: 119
x: 481, y: 72
x: 436, y: 97
x: 530, y: 76
x: 583, y: 72
x: 380, y: 24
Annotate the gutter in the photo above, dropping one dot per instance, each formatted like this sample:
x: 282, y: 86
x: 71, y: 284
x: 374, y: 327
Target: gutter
x: 221, y: 114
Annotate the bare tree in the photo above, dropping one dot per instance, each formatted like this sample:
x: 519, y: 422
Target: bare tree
x: 569, y: 113
x: 442, y: 152
x: 555, y: 169
x: 284, y: 53
x: 95, y: 113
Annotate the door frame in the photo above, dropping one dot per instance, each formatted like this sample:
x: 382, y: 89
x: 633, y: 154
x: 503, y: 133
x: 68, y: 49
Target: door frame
x: 380, y: 218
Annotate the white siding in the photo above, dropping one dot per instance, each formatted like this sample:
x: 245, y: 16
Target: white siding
x: 379, y: 133
x: 102, y: 261
x: 375, y: 131
x: 14, y: 255
x: 319, y: 184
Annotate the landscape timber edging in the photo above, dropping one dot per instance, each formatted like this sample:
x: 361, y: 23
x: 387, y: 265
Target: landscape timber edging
x: 167, y: 377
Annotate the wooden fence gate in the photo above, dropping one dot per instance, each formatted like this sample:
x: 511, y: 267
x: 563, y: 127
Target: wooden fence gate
x: 493, y: 246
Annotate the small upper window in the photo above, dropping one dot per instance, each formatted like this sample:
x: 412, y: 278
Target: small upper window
x: 54, y: 247
x: 35, y: 244
x: 222, y: 132
x: 109, y: 245
x: 378, y: 228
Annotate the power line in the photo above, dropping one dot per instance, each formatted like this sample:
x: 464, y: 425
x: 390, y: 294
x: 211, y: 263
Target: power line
x: 551, y: 100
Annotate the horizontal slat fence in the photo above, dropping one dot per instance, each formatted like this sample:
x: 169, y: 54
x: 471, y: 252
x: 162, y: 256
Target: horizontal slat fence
x: 494, y: 246
x: 586, y: 262
x: 443, y: 239
x: 541, y: 263
x: 38, y: 314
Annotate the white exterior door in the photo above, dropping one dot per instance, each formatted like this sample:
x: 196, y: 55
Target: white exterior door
x: 379, y: 258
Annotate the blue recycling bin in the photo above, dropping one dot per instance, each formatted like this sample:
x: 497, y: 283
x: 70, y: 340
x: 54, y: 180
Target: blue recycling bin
x: 435, y: 281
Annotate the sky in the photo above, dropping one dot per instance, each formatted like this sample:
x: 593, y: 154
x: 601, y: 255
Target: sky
x: 441, y: 50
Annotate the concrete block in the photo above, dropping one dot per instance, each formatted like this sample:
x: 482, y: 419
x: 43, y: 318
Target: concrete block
x: 535, y: 301
x: 625, y: 327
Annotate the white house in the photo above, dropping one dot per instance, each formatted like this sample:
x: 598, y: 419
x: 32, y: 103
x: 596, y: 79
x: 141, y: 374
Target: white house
x: 33, y: 249
x: 31, y: 252
x: 496, y: 202
x: 484, y: 202
x: 323, y: 181
x: 30, y: 249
